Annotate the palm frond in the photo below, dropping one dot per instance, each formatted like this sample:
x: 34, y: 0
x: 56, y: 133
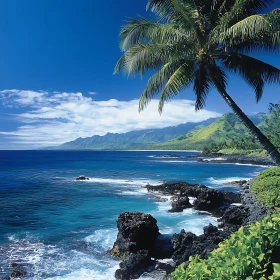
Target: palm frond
x: 143, y: 31
x: 242, y: 9
x: 179, y: 80
x: 254, y: 71
x: 217, y: 75
x: 250, y: 28
x: 202, y: 85
x: 158, y: 81
x: 180, y: 12
x: 141, y: 58
x: 234, y: 12
x: 257, y: 32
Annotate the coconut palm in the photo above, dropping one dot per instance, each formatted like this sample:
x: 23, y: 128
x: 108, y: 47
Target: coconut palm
x: 196, y: 42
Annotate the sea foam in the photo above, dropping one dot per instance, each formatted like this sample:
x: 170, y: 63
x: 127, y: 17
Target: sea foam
x: 226, y: 180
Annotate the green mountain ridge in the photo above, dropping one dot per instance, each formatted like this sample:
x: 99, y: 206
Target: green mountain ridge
x: 224, y: 129
x: 131, y: 140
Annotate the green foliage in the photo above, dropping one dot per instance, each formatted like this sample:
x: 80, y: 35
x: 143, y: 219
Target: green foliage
x: 245, y: 255
x: 271, y: 124
x: 191, y: 39
x: 266, y: 187
x: 140, y: 139
x: 194, y: 43
x: 276, y: 273
x: 245, y: 144
x: 225, y: 132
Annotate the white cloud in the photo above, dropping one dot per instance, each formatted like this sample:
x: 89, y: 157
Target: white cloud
x: 92, y: 92
x: 22, y: 97
x: 58, y: 117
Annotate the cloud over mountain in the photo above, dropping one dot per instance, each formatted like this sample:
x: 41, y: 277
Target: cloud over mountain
x: 52, y: 118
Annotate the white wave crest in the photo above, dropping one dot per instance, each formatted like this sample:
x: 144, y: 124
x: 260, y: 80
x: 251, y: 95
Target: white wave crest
x: 89, y: 274
x: 138, y: 191
x: 258, y: 165
x: 173, y: 161
x: 133, y: 182
x: 213, y: 159
x: 222, y: 181
x: 103, y: 237
x: 51, y: 262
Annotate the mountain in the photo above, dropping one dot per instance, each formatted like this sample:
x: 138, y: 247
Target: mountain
x: 226, y: 128
x: 131, y: 140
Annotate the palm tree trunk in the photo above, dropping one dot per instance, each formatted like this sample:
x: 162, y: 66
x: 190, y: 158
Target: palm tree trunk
x: 269, y: 147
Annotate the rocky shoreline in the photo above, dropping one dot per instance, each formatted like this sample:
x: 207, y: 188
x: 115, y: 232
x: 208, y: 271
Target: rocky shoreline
x: 144, y: 251
x: 221, y: 158
x: 236, y: 159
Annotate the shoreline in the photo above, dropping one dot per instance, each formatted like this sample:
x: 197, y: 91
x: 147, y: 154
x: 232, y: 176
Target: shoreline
x: 243, y: 211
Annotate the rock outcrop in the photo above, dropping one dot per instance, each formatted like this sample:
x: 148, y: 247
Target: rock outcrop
x: 187, y: 244
x: 136, y: 238
x: 139, y: 241
x: 180, y: 203
x: 207, y: 199
x: 82, y: 178
x: 137, y: 231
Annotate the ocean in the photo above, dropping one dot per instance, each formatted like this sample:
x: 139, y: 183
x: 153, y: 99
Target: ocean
x: 59, y: 228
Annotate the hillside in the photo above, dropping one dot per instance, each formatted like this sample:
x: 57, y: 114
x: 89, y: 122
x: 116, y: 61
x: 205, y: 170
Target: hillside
x: 226, y: 128
x: 131, y: 140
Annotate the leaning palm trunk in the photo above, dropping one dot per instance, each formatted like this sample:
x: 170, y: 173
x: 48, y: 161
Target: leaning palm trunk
x: 269, y: 147
x: 195, y: 42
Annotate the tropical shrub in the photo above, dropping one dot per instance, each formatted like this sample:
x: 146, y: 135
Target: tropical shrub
x: 245, y: 255
x: 271, y: 124
x: 266, y: 187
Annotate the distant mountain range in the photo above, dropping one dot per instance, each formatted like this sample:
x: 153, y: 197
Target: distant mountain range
x: 226, y: 128
x: 188, y: 136
x: 133, y: 139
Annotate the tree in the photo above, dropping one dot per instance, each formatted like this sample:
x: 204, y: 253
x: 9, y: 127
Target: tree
x: 271, y: 124
x: 195, y: 42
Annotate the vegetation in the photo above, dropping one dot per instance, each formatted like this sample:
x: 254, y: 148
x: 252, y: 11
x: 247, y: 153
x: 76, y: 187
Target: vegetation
x: 266, y: 187
x: 225, y: 132
x: 193, y: 42
x: 271, y: 124
x: 243, y: 145
x: 133, y: 139
x: 245, y: 255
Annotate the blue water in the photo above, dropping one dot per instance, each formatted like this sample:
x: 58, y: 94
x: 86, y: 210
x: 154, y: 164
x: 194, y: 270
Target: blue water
x: 59, y: 228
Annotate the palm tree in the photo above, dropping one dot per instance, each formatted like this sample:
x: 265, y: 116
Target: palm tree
x: 195, y: 42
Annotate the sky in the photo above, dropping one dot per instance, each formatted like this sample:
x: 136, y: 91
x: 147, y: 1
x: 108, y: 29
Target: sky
x: 57, y: 84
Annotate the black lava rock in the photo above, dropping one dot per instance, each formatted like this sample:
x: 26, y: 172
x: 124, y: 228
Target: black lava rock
x: 180, y: 203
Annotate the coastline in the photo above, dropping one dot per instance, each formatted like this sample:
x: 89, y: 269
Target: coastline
x: 115, y: 187
x: 243, y: 211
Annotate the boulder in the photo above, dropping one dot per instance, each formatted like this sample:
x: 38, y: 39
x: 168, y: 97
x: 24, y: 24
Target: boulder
x: 210, y: 230
x: 137, y: 231
x: 18, y: 271
x: 235, y: 216
x: 230, y: 197
x: 134, y: 265
x: 187, y: 244
x: 209, y: 199
x: 82, y: 178
x: 180, y: 203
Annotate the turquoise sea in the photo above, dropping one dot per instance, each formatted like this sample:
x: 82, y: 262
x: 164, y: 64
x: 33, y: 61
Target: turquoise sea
x: 60, y: 228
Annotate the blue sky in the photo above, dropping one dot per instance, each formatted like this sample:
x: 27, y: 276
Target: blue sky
x: 57, y: 83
